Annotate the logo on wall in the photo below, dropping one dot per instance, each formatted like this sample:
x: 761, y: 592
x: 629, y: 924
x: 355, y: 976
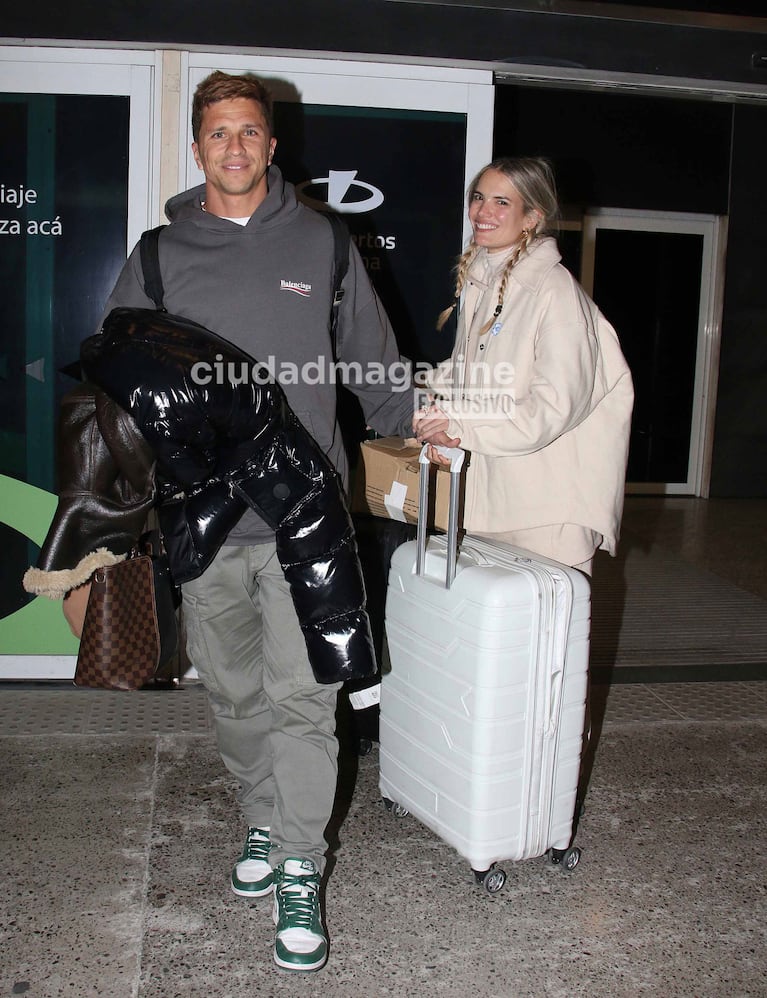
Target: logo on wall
x: 339, y: 183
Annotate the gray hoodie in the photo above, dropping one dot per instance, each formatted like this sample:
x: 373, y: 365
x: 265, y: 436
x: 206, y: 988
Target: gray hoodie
x: 267, y: 287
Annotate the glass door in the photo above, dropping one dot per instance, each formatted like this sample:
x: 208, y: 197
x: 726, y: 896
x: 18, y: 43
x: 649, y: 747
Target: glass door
x: 658, y: 279
x: 76, y: 166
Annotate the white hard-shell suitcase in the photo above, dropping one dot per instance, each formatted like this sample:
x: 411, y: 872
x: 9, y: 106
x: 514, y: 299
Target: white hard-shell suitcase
x: 482, y: 713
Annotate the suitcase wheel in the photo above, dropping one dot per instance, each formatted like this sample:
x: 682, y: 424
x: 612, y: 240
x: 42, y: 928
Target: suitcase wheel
x: 568, y: 859
x: 364, y: 746
x: 492, y: 880
x: 396, y: 809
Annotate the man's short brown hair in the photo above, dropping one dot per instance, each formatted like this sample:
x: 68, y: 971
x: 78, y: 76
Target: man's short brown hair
x: 223, y: 86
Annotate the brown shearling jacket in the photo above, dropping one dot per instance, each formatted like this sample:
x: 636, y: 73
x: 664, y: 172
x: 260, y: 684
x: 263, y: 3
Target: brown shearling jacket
x: 106, y: 490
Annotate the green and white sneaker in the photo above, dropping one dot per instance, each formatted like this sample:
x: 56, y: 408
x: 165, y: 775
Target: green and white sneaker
x: 301, y: 943
x: 252, y: 876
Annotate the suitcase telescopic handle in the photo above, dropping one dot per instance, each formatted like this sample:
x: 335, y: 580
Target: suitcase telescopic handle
x: 456, y: 456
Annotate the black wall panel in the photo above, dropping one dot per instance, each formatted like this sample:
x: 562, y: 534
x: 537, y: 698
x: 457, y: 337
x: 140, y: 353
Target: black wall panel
x: 621, y: 150
x: 740, y: 440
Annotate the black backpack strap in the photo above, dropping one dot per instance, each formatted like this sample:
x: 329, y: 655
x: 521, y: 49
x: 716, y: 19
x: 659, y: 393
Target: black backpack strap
x: 150, y: 265
x: 341, y: 241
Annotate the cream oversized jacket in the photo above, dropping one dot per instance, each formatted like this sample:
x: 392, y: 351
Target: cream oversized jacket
x: 543, y: 401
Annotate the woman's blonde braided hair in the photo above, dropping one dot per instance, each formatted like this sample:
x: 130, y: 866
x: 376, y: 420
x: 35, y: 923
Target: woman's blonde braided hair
x: 533, y: 179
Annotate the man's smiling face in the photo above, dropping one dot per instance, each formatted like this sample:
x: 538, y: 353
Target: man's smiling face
x: 234, y: 151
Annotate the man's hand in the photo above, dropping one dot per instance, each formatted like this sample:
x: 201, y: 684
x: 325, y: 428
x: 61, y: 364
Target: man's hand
x: 75, y: 603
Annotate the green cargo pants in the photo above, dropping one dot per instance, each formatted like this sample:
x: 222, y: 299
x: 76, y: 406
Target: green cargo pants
x: 274, y: 723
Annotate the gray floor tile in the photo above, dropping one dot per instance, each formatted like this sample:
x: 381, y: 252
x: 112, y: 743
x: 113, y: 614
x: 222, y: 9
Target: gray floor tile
x: 75, y: 828
x: 714, y: 701
x: 630, y: 703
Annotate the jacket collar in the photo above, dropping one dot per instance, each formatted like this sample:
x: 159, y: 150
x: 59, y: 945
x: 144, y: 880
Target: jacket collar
x: 532, y: 269
x: 529, y: 272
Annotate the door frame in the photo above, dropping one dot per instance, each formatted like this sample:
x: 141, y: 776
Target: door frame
x: 713, y: 229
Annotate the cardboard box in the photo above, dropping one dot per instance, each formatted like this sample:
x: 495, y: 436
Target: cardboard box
x: 386, y: 483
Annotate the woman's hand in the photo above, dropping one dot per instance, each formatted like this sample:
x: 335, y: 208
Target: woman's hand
x: 75, y: 604
x: 430, y: 427
x: 441, y: 440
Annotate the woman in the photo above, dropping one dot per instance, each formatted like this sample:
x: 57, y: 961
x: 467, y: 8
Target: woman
x: 536, y: 388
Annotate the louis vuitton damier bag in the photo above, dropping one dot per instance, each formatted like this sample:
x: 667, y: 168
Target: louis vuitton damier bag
x: 130, y: 628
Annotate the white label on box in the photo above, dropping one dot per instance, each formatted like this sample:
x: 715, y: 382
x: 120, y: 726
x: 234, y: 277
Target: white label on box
x: 366, y: 698
x: 395, y: 501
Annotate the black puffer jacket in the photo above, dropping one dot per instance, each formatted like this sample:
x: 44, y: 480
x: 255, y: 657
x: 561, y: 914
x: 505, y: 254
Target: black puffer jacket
x: 228, y: 444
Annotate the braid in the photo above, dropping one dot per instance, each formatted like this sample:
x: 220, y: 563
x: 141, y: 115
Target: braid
x: 527, y: 238
x: 461, y: 269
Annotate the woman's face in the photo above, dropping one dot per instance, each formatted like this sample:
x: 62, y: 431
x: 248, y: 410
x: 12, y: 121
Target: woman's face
x: 496, y: 212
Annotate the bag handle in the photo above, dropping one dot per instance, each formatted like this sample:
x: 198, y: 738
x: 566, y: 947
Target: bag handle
x: 457, y: 456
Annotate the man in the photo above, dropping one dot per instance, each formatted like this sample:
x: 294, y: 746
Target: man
x: 245, y: 259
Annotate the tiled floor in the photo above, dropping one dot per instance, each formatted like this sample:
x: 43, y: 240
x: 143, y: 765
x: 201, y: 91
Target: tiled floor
x: 119, y: 825
x: 671, y: 606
